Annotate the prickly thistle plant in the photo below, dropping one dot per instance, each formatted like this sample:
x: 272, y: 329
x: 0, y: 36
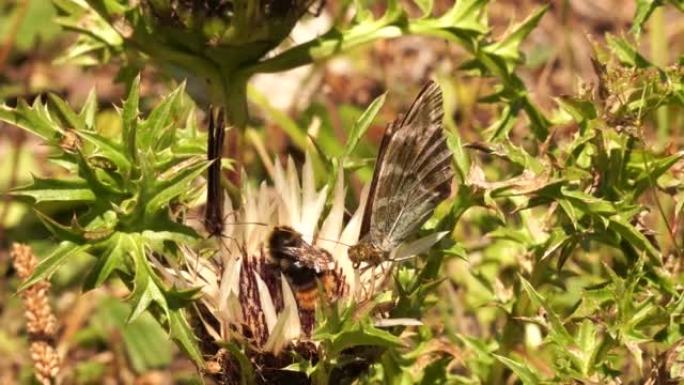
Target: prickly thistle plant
x: 568, y: 281
x: 130, y: 192
x: 125, y: 190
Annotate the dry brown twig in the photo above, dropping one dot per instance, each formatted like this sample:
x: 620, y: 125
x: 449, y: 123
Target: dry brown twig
x: 41, y: 323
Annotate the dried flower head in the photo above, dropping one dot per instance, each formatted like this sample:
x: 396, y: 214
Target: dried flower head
x: 41, y: 323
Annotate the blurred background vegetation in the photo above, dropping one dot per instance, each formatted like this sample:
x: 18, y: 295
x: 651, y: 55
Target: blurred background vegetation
x: 469, y: 325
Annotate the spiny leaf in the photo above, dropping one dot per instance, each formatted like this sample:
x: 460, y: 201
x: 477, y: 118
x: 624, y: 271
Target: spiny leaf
x: 635, y: 238
x: 499, y: 130
x: 112, y: 258
x: 161, y: 118
x: 626, y: 52
x: 71, y: 234
x: 110, y: 150
x: 363, y: 335
x: 35, y: 119
x: 524, y: 373
x: 580, y: 110
x: 129, y: 116
x: 52, y: 262
x: 586, y: 203
x: 145, y: 289
x: 165, y: 192
x: 183, y: 334
x: 89, y: 110
x: 557, y: 330
x: 467, y: 15
x: 508, y: 48
x: 362, y: 123
x: 147, y: 344
x: 57, y: 190
x: 644, y: 9
x: 70, y: 117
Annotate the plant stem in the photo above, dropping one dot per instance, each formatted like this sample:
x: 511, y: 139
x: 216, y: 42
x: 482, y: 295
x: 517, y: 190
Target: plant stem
x: 237, y: 116
x: 658, y: 40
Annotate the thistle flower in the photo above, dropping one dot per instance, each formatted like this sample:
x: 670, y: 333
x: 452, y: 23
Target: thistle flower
x: 247, y: 298
x: 225, y: 22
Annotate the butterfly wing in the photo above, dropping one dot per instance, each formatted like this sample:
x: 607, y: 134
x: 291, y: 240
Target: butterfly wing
x: 413, y: 173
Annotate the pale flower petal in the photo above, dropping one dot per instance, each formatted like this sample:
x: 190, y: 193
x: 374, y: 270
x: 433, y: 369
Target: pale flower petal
x: 266, y: 302
x: 288, y: 327
x: 332, y: 226
x: 350, y: 236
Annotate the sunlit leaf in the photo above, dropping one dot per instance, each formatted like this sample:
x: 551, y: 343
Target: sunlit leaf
x: 54, y: 190
x: 362, y: 123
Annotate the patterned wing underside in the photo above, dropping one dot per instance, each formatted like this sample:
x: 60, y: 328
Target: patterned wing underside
x: 413, y: 173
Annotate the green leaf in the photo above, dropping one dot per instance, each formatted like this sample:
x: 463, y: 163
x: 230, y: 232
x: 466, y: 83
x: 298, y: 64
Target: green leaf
x: 70, y: 117
x: 360, y: 335
x: 89, y: 110
x: 627, y: 53
x: 112, y: 258
x: 35, y: 119
x: 524, y: 373
x: 183, y: 334
x: 538, y: 122
x: 460, y: 155
x: 362, y: 123
x: 557, y: 330
x: 160, y: 119
x: 108, y: 149
x: 247, y: 375
x: 468, y: 15
x: 57, y: 190
x: 145, y: 289
x: 580, y: 110
x: 295, y: 132
x: 164, y: 192
x: 147, y: 344
x: 588, y: 204
x: 71, y: 234
x: 167, y: 230
x: 508, y: 48
x: 52, y: 262
x: 635, y: 238
x: 129, y: 117
x: 499, y: 130
x: 644, y: 9
x: 652, y: 170
x: 589, y: 343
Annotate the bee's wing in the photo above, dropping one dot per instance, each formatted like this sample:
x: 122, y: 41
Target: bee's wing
x: 413, y: 172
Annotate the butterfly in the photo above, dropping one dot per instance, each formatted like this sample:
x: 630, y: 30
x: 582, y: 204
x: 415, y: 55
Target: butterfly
x: 304, y: 266
x: 413, y: 174
x: 213, y: 216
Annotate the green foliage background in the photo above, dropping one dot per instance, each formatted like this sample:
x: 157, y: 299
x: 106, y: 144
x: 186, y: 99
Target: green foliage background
x: 563, y: 263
